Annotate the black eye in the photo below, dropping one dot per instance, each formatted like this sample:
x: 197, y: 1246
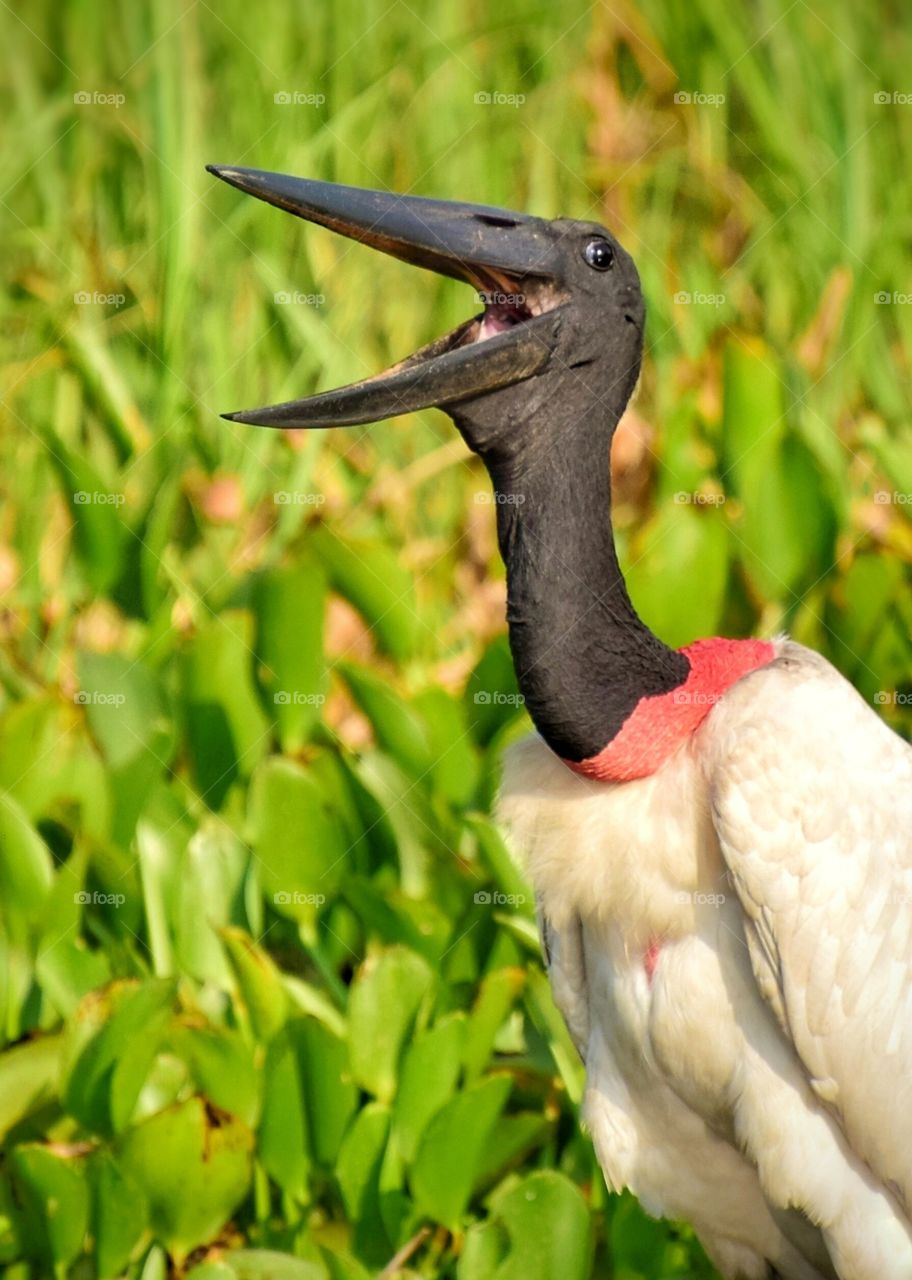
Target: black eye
x: 599, y: 254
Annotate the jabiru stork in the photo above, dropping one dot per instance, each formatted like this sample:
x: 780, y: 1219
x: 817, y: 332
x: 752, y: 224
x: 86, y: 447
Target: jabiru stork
x: 720, y: 837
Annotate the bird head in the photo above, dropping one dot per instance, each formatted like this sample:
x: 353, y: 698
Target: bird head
x: 561, y: 332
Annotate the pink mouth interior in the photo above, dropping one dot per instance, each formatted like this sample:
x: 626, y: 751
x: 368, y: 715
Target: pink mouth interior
x: 502, y: 312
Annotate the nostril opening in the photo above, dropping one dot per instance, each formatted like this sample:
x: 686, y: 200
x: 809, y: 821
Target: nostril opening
x: 493, y: 220
x: 629, y: 318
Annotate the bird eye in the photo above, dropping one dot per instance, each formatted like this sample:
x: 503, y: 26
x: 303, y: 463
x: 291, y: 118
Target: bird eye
x: 599, y: 254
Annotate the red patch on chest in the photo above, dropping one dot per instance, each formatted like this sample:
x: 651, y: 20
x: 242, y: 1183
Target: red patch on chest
x: 658, y: 726
x: 651, y: 958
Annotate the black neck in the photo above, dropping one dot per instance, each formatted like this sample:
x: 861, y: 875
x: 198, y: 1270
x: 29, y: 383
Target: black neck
x: 582, y: 656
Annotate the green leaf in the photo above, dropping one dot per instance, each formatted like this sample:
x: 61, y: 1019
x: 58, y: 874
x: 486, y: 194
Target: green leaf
x: 193, y: 1163
x: 29, y: 1076
x: 399, y: 729
x: 222, y: 1064
x: 682, y: 543
x: 298, y: 838
x: 499, y: 993
x: 358, y: 1172
x: 51, y: 1192
x: 492, y: 697
x: 430, y: 1071
x: 26, y: 868
x: 330, y: 1095
x: 257, y: 1264
x: 259, y: 981
x: 211, y: 882
x: 450, y: 1156
x: 372, y: 578
x: 753, y: 418
x: 109, y: 1051
x: 125, y: 708
x: 290, y: 606
x: 118, y: 1214
x: 226, y: 728
x: 283, y: 1144
x: 100, y: 533
x: 786, y: 534
x: 548, y: 1223
x: 384, y: 1002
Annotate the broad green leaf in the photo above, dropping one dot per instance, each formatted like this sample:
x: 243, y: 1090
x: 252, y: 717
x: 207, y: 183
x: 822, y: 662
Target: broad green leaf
x: 786, y: 534
x: 454, y: 757
x: 259, y: 981
x: 753, y: 414
x: 515, y: 1136
x: 257, y: 1264
x: 372, y: 578
x: 193, y: 1163
x: 499, y: 992
x: 211, y: 882
x: 283, y: 1139
x: 125, y: 708
x: 49, y: 765
x: 29, y: 1077
x: 226, y: 728
x: 549, y: 1226
x: 109, y: 1051
x: 358, y: 1172
x: 430, y: 1071
x: 298, y: 840
x: 398, y: 728
x: 683, y: 543
x: 118, y: 1214
x: 290, y: 604
x: 52, y: 1197
x: 330, y: 1095
x: 25, y: 868
x: 451, y: 1152
x: 100, y: 530
x: 492, y: 696
x: 223, y: 1066
x: 384, y: 1002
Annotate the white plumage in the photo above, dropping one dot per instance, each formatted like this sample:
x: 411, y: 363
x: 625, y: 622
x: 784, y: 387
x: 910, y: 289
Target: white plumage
x: 759, y: 1083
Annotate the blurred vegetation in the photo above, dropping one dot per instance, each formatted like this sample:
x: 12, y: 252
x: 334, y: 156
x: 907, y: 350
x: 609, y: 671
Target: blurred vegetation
x: 269, y: 985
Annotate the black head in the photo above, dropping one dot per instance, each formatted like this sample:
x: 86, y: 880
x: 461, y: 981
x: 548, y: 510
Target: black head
x: 561, y: 329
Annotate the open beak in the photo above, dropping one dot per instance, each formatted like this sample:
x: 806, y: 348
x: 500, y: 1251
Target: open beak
x: 504, y: 255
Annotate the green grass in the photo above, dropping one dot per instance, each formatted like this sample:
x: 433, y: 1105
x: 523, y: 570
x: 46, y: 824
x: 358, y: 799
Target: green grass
x: 249, y: 996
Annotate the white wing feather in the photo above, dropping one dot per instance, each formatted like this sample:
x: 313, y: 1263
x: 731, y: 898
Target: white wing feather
x: 811, y: 798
